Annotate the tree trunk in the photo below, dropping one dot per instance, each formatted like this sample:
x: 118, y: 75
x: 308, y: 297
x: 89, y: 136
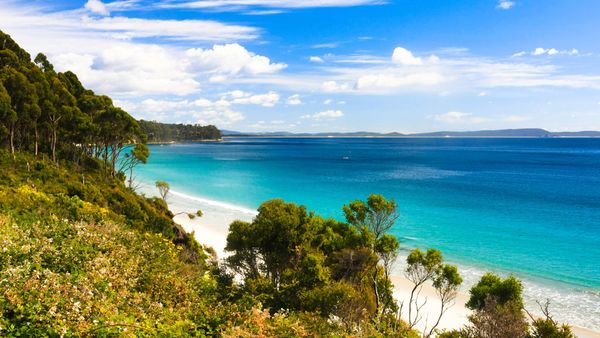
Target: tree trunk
x: 36, y: 140
x: 12, y: 141
x: 54, y: 145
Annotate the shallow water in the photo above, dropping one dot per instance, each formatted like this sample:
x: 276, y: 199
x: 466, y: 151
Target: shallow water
x: 525, y: 206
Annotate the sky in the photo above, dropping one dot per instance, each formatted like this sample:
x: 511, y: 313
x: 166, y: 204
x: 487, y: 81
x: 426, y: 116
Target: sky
x: 328, y: 65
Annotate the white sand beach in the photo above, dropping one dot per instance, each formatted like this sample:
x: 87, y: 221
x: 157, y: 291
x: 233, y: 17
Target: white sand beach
x: 211, y: 230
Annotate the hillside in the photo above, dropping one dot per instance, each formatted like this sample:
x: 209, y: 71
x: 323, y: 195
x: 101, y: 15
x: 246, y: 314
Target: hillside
x: 164, y: 132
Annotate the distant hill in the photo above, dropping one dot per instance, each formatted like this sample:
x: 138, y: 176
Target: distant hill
x: 525, y: 132
x: 163, y: 132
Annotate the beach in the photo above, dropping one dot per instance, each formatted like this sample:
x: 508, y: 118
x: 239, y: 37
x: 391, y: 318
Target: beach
x: 211, y: 230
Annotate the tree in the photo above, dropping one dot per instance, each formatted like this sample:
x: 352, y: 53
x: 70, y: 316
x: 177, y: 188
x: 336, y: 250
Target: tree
x: 377, y: 214
x: 547, y: 327
x: 42, y: 61
x: 163, y: 189
x: 21, y: 99
x: 7, y: 116
x: 422, y: 267
x: 497, y: 320
x: 63, y: 106
x: 501, y: 290
x: 387, y: 250
x: 138, y: 155
x: 292, y: 259
x: 446, y: 284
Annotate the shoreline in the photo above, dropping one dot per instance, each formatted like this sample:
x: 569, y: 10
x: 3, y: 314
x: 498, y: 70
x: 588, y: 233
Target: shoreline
x: 211, y: 230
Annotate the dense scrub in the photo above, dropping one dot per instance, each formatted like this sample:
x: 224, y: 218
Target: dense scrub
x: 83, y: 255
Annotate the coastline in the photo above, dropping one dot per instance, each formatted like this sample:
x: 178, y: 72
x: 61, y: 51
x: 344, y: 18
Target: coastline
x: 211, y: 230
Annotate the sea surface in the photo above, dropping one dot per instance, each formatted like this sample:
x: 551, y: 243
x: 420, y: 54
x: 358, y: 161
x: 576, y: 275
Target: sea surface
x: 528, y: 207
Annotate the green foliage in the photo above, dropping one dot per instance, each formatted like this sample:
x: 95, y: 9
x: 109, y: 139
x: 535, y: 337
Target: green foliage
x: 492, y: 286
x: 294, y: 260
x: 67, y: 269
x: 377, y: 214
x: 163, y: 189
x: 548, y: 328
x: 161, y: 132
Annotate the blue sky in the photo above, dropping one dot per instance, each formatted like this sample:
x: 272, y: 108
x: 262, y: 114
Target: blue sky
x: 329, y: 65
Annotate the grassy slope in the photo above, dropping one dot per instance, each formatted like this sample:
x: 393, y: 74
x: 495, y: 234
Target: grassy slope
x: 81, y: 258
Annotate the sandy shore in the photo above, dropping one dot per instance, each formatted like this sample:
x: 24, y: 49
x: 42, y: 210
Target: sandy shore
x: 211, y: 230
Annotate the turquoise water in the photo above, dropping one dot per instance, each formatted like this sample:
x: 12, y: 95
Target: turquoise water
x: 526, y: 206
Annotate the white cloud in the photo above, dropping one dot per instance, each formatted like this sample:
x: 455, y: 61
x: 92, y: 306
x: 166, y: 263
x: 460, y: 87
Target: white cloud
x: 386, y: 81
x: 325, y: 45
x: 317, y: 59
x: 327, y: 102
x: 272, y: 125
x: 547, y: 51
x: 97, y: 7
x: 201, y: 110
x: 324, y: 115
x: 140, y: 69
x: 334, y: 86
x: 236, y: 5
x: 269, y: 99
x: 405, y: 57
x: 294, y: 100
x: 459, y: 117
x: 218, y: 117
x: 505, y: 4
x: 131, y: 70
x: 231, y: 59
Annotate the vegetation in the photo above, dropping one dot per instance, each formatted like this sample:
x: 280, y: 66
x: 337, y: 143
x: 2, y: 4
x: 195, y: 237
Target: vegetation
x: 161, y: 132
x: 83, y: 255
x: 292, y: 259
x: 498, y: 311
x: 163, y: 189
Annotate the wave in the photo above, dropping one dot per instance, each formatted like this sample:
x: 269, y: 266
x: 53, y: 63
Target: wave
x: 149, y: 189
x: 569, y: 304
x: 215, y: 203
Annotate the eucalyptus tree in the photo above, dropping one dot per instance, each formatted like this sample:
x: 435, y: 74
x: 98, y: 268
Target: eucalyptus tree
x: 63, y: 107
x: 7, y: 115
x: 22, y: 100
x: 377, y: 215
x: 138, y: 155
x: 116, y: 129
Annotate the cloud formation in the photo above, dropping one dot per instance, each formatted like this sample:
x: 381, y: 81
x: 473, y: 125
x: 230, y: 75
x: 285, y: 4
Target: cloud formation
x: 505, y: 4
x: 548, y: 51
x: 324, y: 115
x: 97, y: 7
x: 459, y: 117
x: 403, y: 56
x: 294, y: 100
x: 236, y: 5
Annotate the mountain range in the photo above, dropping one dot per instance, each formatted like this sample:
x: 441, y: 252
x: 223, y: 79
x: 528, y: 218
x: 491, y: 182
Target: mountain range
x: 525, y: 132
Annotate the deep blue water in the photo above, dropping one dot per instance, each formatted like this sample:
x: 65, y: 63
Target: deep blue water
x: 529, y: 206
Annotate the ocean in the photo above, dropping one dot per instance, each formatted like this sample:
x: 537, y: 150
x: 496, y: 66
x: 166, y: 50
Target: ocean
x: 528, y: 207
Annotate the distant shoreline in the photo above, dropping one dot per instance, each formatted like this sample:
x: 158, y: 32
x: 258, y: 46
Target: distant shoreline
x: 407, y: 137
x: 183, y: 141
